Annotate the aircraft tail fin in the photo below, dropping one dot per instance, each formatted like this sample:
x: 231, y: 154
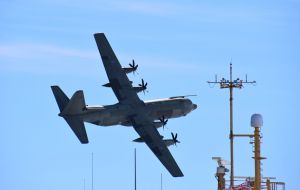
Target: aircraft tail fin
x: 69, y: 110
x: 76, y: 104
x: 60, y: 97
x: 73, y: 106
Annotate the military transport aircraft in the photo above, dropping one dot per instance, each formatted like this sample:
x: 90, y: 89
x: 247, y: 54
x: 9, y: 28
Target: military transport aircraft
x: 144, y: 116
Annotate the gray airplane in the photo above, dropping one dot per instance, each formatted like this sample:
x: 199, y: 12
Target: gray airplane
x: 144, y: 116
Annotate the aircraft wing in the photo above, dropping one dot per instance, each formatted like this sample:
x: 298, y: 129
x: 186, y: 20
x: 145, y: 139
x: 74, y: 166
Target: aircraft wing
x: 117, y: 77
x: 147, y: 131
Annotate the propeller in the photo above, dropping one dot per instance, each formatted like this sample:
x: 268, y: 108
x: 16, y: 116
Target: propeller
x: 143, y: 85
x: 174, y: 137
x: 164, y: 121
x: 133, y: 66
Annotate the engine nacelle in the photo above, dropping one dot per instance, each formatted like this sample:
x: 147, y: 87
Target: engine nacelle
x: 158, y: 124
x: 169, y: 142
x: 128, y: 69
x: 138, y: 89
x: 107, y: 85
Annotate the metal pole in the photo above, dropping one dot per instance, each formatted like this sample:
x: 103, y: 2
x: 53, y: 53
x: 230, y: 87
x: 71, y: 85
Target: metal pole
x: 83, y: 183
x: 268, y: 184
x: 135, y: 168
x: 257, y: 159
x: 161, y: 186
x: 221, y: 180
x: 231, y: 130
x: 92, y: 171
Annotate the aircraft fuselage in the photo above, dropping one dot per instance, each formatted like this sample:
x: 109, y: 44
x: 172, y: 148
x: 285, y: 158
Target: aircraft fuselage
x: 119, y: 114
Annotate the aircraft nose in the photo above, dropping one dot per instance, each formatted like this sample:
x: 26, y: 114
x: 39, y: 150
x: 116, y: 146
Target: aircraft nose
x: 195, y: 106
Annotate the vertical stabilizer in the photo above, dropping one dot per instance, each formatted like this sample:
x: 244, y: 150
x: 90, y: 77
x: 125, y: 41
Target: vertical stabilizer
x: 70, y: 110
x: 60, y: 97
x: 76, y: 104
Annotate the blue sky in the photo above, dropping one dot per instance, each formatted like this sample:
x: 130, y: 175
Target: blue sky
x: 178, y: 46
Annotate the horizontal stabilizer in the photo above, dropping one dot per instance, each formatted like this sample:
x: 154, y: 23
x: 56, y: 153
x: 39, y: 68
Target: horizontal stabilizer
x: 78, y: 128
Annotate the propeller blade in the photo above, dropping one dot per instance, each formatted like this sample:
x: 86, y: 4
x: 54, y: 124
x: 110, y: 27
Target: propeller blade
x: 173, y: 137
x: 164, y: 121
x: 143, y: 85
x: 133, y: 66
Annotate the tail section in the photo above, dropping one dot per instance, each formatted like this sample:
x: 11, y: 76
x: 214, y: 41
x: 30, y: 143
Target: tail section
x: 70, y: 110
x: 60, y: 97
x: 76, y: 104
x: 78, y: 128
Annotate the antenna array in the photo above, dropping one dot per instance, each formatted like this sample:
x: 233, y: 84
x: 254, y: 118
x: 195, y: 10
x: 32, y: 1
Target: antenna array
x: 231, y: 84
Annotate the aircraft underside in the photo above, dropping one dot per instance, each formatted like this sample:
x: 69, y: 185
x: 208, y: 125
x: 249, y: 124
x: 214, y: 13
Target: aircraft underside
x: 117, y: 115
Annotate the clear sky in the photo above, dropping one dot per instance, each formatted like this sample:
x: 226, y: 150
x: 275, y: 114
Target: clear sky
x: 179, y: 45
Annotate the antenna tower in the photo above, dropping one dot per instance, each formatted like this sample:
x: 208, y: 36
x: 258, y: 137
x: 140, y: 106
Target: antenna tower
x: 92, y: 171
x: 161, y: 181
x: 83, y: 183
x: 135, y: 169
x: 231, y: 84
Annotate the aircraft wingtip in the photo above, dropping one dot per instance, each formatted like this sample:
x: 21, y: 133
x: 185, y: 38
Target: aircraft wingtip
x: 99, y: 34
x: 85, y: 142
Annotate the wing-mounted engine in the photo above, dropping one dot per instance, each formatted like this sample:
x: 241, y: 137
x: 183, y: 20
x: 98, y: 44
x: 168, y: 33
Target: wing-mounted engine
x: 109, y: 84
x: 168, y: 142
x: 158, y: 124
x: 162, y: 122
x: 141, y: 87
x: 172, y: 141
x: 132, y: 68
x: 141, y: 140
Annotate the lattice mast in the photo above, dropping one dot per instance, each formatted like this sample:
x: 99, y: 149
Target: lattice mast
x: 231, y: 84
